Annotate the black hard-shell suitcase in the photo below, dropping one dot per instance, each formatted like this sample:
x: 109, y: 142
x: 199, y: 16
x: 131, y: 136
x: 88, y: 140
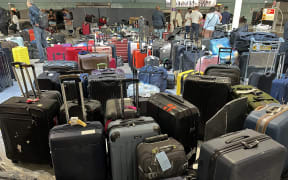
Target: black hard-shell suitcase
x: 209, y: 94
x: 25, y: 124
x: 262, y: 81
x: 49, y: 81
x: 78, y: 152
x: 106, y: 85
x: 60, y: 66
x: 177, y: 117
x: 241, y: 155
x: 5, y: 74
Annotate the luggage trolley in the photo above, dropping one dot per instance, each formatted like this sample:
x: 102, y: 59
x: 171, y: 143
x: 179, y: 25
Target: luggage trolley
x: 263, y: 55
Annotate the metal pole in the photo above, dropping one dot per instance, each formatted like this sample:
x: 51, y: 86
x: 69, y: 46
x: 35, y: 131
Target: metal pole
x: 237, y: 13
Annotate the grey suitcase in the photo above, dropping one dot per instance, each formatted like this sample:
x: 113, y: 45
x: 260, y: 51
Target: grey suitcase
x: 241, y: 155
x: 124, y: 135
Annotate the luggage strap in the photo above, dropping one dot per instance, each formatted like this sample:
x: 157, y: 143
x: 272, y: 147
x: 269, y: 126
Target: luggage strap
x: 248, y: 143
x: 271, y: 113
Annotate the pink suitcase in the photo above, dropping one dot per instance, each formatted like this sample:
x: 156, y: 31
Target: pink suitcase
x: 112, y: 63
x: 58, y: 52
x: 205, y: 62
x: 86, y: 29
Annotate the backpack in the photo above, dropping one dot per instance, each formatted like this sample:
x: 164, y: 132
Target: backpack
x: 43, y: 20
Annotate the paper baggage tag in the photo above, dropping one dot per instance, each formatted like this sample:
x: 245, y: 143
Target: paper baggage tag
x: 163, y: 161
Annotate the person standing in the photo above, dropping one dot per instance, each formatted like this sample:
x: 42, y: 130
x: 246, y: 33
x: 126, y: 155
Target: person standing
x: 226, y: 16
x: 40, y: 36
x: 4, y: 21
x: 179, y: 21
x: 196, y: 18
x: 211, y: 20
x: 14, y: 22
x: 188, y: 22
x: 158, y: 20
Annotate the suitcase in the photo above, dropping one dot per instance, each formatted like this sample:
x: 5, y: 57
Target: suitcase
x: 262, y: 81
x: 5, y: 75
x: 9, y: 57
x: 188, y: 59
x: 222, y: 70
x: 279, y: 89
x: 107, y: 50
x: 8, y: 44
x: 57, y: 52
x: 104, y: 85
x: 59, y: 38
x: 139, y: 58
x: 152, y: 149
x: 31, y: 35
x: 18, y: 40
x: 209, y: 94
x: 255, y: 96
x: 170, y: 81
x: 90, y: 62
x: 49, y: 81
x: 60, y: 66
x: 25, y: 35
x: 151, y: 60
x: 25, y: 124
x: 242, y: 155
x: 85, y: 28
x: 20, y: 54
x: 229, y: 118
x: 181, y: 78
x: 85, y: 144
x: 205, y: 61
x: 177, y: 117
x: 271, y: 120
x: 72, y: 52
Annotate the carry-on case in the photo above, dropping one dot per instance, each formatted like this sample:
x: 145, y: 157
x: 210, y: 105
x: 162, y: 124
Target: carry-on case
x: 148, y: 152
x: 90, y: 62
x: 209, y: 94
x: 25, y: 124
x: 5, y: 75
x: 271, y: 120
x: 176, y: 116
x: 78, y: 152
x: 60, y: 66
x: 126, y: 131
x: 255, y: 96
x: 241, y: 155
x: 181, y: 79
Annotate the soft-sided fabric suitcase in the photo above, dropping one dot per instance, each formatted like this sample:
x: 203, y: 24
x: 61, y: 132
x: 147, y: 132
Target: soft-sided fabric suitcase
x: 279, y: 89
x: 271, y: 120
x: 170, y: 81
x: 139, y: 58
x: 85, y: 28
x: 9, y: 58
x: 72, y: 52
x: 104, y: 85
x: 49, y: 81
x: 5, y: 75
x: 205, y: 61
x: 154, y: 75
x: 124, y: 136
x: 31, y: 35
x: 148, y: 164
x: 209, y: 94
x: 20, y: 54
x: 188, y: 59
x: 177, y: 117
x: 90, y: 62
x: 181, y: 78
x: 25, y: 35
x: 151, y: 60
x: 222, y: 70
x: 81, y: 146
x: 242, y: 155
x: 255, y: 96
x: 104, y: 50
x: 262, y: 81
x: 60, y: 66
x: 57, y: 52
x: 229, y: 118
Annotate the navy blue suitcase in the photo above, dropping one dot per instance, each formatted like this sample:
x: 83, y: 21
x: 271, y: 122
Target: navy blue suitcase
x: 279, y: 90
x: 271, y: 120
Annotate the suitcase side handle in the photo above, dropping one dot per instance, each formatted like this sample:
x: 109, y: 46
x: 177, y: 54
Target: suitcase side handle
x: 162, y: 137
x: 76, y: 79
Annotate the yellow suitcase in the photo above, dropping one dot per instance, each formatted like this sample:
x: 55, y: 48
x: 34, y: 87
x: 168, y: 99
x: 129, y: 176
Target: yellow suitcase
x: 181, y: 77
x: 20, y: 54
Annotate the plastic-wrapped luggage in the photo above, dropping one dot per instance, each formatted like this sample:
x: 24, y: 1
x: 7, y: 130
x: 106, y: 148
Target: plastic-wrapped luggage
x: 84, y: 141
x: 242, y: 155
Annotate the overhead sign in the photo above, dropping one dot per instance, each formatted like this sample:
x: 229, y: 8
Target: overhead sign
x: 268, y: 14
x: 192, y: 3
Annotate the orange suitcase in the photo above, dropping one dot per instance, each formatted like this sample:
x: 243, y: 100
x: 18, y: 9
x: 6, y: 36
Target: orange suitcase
x: 31, y: 35
x: 138, y: 58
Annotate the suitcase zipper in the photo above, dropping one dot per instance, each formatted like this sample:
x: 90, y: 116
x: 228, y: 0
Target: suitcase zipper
x: 132, y: 123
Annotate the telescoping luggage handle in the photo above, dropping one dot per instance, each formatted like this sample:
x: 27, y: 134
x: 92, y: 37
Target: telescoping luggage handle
x: 26, y: 66
x: 76, y: 79
x: 225, y: 50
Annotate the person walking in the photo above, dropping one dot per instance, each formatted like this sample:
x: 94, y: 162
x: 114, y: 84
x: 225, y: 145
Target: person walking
x: 211, y: 20
x: 188, y: 22
x: 158, y: 20
x: 196, y: 18
x: 179, y: 21
x: 226, y: 16
x: 40, y: 36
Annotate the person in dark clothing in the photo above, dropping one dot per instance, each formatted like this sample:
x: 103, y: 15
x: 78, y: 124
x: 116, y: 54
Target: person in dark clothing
x: 40, y: 36
x: 226, y: 16
x: 4, y: 21
x: 158, y: 20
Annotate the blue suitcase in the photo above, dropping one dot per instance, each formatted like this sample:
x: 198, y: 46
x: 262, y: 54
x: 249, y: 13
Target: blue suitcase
x: 279, y: 90
x: 271, y: 120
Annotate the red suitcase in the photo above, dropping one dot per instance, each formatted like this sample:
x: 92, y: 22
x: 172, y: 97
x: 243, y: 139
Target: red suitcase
x: 57, y: 52
x: 31, y: 34
x: 85, y: 29
x: 112, y: 63
x: 72, y: 52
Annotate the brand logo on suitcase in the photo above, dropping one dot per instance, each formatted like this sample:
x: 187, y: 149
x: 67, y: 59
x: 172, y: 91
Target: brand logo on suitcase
x: 169, y: 107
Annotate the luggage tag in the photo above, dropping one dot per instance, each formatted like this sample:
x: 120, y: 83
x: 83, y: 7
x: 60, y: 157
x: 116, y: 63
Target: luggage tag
x: 76, y: 121
x: 163, y: 161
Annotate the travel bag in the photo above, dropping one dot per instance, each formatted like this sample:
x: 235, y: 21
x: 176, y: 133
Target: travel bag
x: 241, y: 155
x: 262, y: 80
x: 81, y: 145
x: 25, y: 124
x: 170, y: 81
x: 271, y: 120
x: 126, y: 131
x: 60, y: 66
x: 107, y: 50
x: 20, y: 54
x: 154, y: 75
x: 90, y: 62
x: 85, y: 28
x: 279, y: 89
x: 176, y: 116
x: 206, y: 61
x: 181, y: 78
x: 72, y: 52
x: 49, y: 80
x: 224, y: 70
x: 209, y: 94
x: 255, y: 96
x: 121, y: 48
x: 57, y: 52
x: 5, y: 75
x: 139, y: 58
x: 9, y: 58
x: 150, y: 162
x: 151, y: 60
